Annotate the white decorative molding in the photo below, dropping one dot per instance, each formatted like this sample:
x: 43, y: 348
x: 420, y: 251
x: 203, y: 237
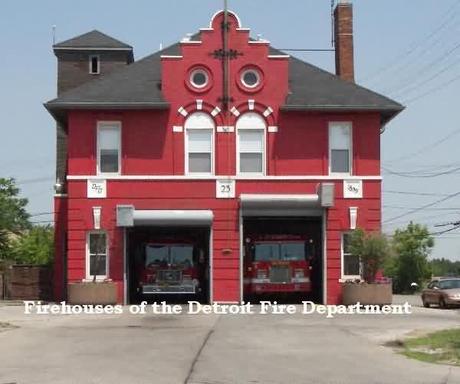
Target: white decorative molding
x: 96, y: 188
x: 272, y: 129
x: 178, y: 128
x: 225, y: 189
x: 353, y: 189
x: 353, y: 217
x: 225, y: 128
x: 199, y: 105
x: 171, y: 57
x: 279, y: 56
x: 268, y: 111
x: 235, y: 111
x: 182, y: 111
x: 97, y: 217
x: 251, y: 104
x: 337, y: 178
x: 215, y: 111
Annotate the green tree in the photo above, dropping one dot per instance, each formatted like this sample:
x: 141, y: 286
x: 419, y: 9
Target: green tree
x: 13, y: 215
x: 445, y: 267
x: 35, y: 246
x: 372, y: 248
x: 412, y: 246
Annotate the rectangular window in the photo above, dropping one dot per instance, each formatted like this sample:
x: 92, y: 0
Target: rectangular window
x: 96, y: 257
x: 94, y: 65
x: 351, y: 266
x: 108, y: 144
x: 199, y: 151
x: 251, y: 150
x: 340, y: 148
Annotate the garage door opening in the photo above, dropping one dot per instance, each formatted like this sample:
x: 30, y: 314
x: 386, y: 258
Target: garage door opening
x: 282, y: 259
x: 169, y: 265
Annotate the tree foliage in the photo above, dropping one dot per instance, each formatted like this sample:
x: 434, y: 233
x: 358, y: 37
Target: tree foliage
x: 445, y: 267
x: 411, y: 246
x: 373, y: 249
x: 13, y: 215
x: 35, y: 246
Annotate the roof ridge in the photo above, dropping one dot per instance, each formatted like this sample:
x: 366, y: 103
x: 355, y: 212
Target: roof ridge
x: 90, y: 39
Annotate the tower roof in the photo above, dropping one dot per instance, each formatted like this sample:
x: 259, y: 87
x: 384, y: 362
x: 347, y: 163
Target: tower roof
x: 93, y: 40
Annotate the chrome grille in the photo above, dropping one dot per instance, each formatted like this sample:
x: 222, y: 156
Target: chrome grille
x: 169, y: 276
x: 280, y: 274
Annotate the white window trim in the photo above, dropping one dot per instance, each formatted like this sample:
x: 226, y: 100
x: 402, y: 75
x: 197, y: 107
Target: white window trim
x: 264, y: 152
x: 350, y: 152
x: 91, y: 57
x: 342, y: 264
x: 90, y: 277
x: 186, y: 152
x: 101, y: 125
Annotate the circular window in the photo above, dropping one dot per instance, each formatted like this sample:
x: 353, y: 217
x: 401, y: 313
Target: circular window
x: 250, y: 78
x: 199, y: 78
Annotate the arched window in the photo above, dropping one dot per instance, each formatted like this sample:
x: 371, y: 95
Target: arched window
x: 251, y: 129
x: 199, y: 144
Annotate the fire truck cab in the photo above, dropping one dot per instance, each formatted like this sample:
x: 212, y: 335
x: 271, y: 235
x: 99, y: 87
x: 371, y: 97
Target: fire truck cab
x: 278, y: 264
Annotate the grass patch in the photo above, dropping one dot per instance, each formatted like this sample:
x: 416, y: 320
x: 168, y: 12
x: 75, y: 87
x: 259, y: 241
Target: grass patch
x: 442, y: 347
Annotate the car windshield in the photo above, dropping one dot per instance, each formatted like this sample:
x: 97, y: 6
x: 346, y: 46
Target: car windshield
x: 178, y: 254
x: 279, y: 251
x: 449, y: 284
x: 266, y: 252
x: 182, y: 255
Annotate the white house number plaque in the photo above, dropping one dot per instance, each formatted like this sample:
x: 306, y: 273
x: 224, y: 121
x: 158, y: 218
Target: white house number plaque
x: 353, y: 189
x: 97, y: 189
x: 225, y: 189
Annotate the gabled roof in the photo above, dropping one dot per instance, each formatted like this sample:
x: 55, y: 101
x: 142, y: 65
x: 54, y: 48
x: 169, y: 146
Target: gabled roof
x: 92, y: 40
x: 138, y: 85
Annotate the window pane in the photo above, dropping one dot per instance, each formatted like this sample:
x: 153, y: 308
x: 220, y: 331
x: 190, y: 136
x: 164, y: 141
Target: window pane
x: 251, y: 141
x: 346, y: 242
x: 350, y: 265
x: 340, y: 161
x: 109, y: 160
x: 97, y: 243
x: 156, y: 254
x: 199, y: 140
x: 97, y: 265
x: 339, y: 137
x: 293, y: 251
x: 199, y: 162
x: 266, y: 252
x: 109, y: 138
x: 251, y: 162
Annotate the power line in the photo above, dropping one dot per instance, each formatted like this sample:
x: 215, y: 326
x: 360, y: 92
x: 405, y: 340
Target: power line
x: 415, y: 45
x: 413, y: 174
x: 427, y: 147
x: 433, y: 90
x: 422, y: 207
x: 414, y: 193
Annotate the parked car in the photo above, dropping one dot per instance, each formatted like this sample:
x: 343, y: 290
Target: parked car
x: 443, y: 292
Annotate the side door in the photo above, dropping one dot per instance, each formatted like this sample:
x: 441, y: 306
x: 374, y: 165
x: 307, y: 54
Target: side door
x: 433, y: 294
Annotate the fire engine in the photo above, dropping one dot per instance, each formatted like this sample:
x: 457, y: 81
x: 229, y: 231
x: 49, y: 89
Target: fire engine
x: 171, y: 268
x: 278, y: 264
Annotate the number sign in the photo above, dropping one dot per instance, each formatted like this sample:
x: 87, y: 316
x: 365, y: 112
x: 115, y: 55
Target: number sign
x: 97, y: 189
x: 225, y: 189
x: 353, y: 189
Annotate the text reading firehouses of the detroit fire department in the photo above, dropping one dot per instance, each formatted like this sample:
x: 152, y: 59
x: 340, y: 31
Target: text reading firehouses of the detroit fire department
x: 196, y: 308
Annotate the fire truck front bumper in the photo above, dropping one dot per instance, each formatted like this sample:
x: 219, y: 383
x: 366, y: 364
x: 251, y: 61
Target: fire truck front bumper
x: 156, y: 289
x: 260, y: 286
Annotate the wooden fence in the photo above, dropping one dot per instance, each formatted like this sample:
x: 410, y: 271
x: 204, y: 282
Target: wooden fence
x: 26, y: 282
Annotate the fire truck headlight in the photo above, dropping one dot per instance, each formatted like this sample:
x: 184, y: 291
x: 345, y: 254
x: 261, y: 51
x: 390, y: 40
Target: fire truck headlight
x: 262, y: 274
x: 299, y: 273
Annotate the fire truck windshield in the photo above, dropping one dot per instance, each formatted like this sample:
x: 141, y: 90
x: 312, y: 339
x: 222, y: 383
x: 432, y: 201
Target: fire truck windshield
x: 290, y: 251
x: 176, y: 254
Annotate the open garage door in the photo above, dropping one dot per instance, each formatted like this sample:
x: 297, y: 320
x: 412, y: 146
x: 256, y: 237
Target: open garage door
x: 167, y: 254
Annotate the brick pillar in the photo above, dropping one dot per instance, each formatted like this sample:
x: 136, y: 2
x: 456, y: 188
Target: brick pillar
x: 343, y: 26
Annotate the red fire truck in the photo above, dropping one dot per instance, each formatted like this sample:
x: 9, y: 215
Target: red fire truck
x: 278, y: 264
x: 171, y: 268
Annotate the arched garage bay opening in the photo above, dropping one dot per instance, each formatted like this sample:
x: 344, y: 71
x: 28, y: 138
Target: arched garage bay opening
x: 282, y: 248
x: 167, y: 254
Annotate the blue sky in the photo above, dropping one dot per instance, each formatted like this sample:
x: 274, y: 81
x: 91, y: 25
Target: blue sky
x: 406, y: 50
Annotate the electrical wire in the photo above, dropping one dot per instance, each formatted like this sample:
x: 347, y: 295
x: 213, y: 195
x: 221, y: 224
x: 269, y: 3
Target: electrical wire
x: 451, y: 196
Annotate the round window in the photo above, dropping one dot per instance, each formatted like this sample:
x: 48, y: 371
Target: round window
x: 199, y: 78
x: 250, y: 78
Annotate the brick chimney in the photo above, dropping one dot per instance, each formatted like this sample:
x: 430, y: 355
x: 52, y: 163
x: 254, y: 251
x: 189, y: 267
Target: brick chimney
x: 343, y: 35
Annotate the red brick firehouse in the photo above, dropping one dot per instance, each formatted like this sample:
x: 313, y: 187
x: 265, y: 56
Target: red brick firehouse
x: 218, y: 166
